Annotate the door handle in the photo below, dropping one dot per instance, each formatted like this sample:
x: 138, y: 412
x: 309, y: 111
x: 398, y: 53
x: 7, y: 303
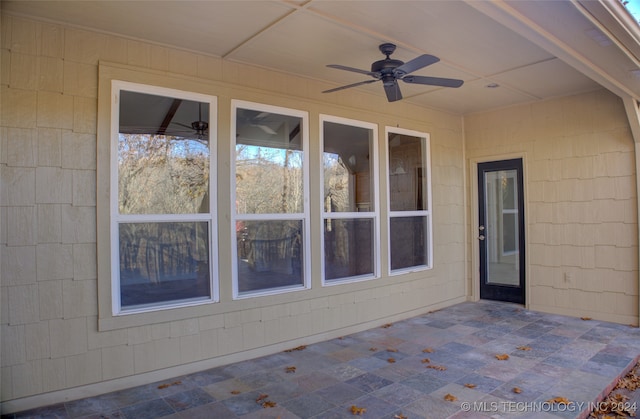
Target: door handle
x: 481, y: 237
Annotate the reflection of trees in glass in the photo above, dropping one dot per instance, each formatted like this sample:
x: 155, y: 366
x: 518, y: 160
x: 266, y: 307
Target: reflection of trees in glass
x: 336, y: 184
x: 268, y: 180
x: 160, y: 174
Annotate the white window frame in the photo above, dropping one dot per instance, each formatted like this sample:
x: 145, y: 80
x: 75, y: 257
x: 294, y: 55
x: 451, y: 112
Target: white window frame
x: 302, y: 216
x: 426, y: 168
x: 116, y: 218
x: 373, y: 215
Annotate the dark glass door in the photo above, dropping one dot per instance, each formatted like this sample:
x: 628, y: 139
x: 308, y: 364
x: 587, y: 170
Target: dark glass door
x: 501, y: 231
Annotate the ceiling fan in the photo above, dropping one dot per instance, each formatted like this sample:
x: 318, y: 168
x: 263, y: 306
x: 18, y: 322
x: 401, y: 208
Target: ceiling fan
x: 200, y: 126
x: 389, y: 71
x: 256, y: 119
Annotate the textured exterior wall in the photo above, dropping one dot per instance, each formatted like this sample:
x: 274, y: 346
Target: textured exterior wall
x: 581, y: 210
x: 51, y: 341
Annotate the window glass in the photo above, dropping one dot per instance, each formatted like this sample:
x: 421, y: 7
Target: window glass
x: 406, y: 176
x: 270, y: 194
x: 269, y: 158
x: 161, y: 217
x: 409, y: 200
x: 269, y: 254
x: 408, y: 244
x: 348, y: 248
x: 163, y: 167
x: 350, y: 220
x: 163, y: 262
x: 346, y: 168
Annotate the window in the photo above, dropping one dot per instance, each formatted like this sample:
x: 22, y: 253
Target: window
x: 271, y: 198
x: 162, y: 220
x: 349, y: 201
x: 409, y: 200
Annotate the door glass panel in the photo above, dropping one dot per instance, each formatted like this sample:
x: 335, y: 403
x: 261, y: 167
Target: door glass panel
x: 501, y: 229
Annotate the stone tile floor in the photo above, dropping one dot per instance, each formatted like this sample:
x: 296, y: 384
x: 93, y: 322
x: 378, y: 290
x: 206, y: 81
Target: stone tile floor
x: 439, y: 365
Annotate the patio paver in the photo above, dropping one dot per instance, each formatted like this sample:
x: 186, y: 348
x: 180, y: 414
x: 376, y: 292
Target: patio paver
x: 438, y: 365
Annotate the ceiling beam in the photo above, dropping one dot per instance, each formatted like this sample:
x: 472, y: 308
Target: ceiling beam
x: 162, y: 129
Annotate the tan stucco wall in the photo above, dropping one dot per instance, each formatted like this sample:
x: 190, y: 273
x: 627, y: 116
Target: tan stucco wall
x: 52, y: 347
x: 580, y: 190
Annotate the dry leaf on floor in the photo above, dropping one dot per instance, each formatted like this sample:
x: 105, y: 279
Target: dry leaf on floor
x: 373, y: 349
x: 502, y: 357
x: 235, y: 391
x: 163, y: 386
x: 268, y: 403
x: 399, y: 416
x: 391, y: 360
x: 616, y: 404
x: 585, y: 318
x: 427, y: 350
x: 524, y: 348
x: 437, y: 367
x: 559, y: 400
x: 261, y: 398
x: 392, y: 350
x: 355, y: 410
x: 450, y: 397
x: 631, y: 381
x: 386, y: 326
x: 426, y: 361
x: 620, y: 398
x: 298, y: 348
x: 517, y: 390
x: 289, y: 370
x: 469, y: 385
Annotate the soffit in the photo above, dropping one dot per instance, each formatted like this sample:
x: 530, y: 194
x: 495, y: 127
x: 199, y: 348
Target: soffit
x: 477, y: 41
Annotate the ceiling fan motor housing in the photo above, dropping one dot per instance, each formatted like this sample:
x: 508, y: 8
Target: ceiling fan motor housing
x: 200, y: 126
x: 389, y: 71
x: 385, y: 66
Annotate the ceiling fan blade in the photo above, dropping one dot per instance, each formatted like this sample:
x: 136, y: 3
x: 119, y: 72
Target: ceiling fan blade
x: 416, y: 64
x: 265, y: 128
x: 182, y: 125
x: 349, y: 85
x: 393, y: 91
x: 355, y: 70
x: 433, y: 81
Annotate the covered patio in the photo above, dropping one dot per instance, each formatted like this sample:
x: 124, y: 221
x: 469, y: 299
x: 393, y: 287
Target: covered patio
x: 191, y: 188
x: 471, y: 360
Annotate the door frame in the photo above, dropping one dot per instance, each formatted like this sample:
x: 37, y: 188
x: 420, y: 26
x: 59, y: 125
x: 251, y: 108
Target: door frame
x: 472, y: 233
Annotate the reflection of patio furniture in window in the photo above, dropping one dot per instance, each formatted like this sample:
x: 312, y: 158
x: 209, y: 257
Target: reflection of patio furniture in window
x: 177, y: 261
x: 243, y: 243
x: 153, y: 262
x: 274, y: 255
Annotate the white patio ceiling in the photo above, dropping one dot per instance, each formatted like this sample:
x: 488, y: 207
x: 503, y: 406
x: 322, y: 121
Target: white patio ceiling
x: 534, y: 50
